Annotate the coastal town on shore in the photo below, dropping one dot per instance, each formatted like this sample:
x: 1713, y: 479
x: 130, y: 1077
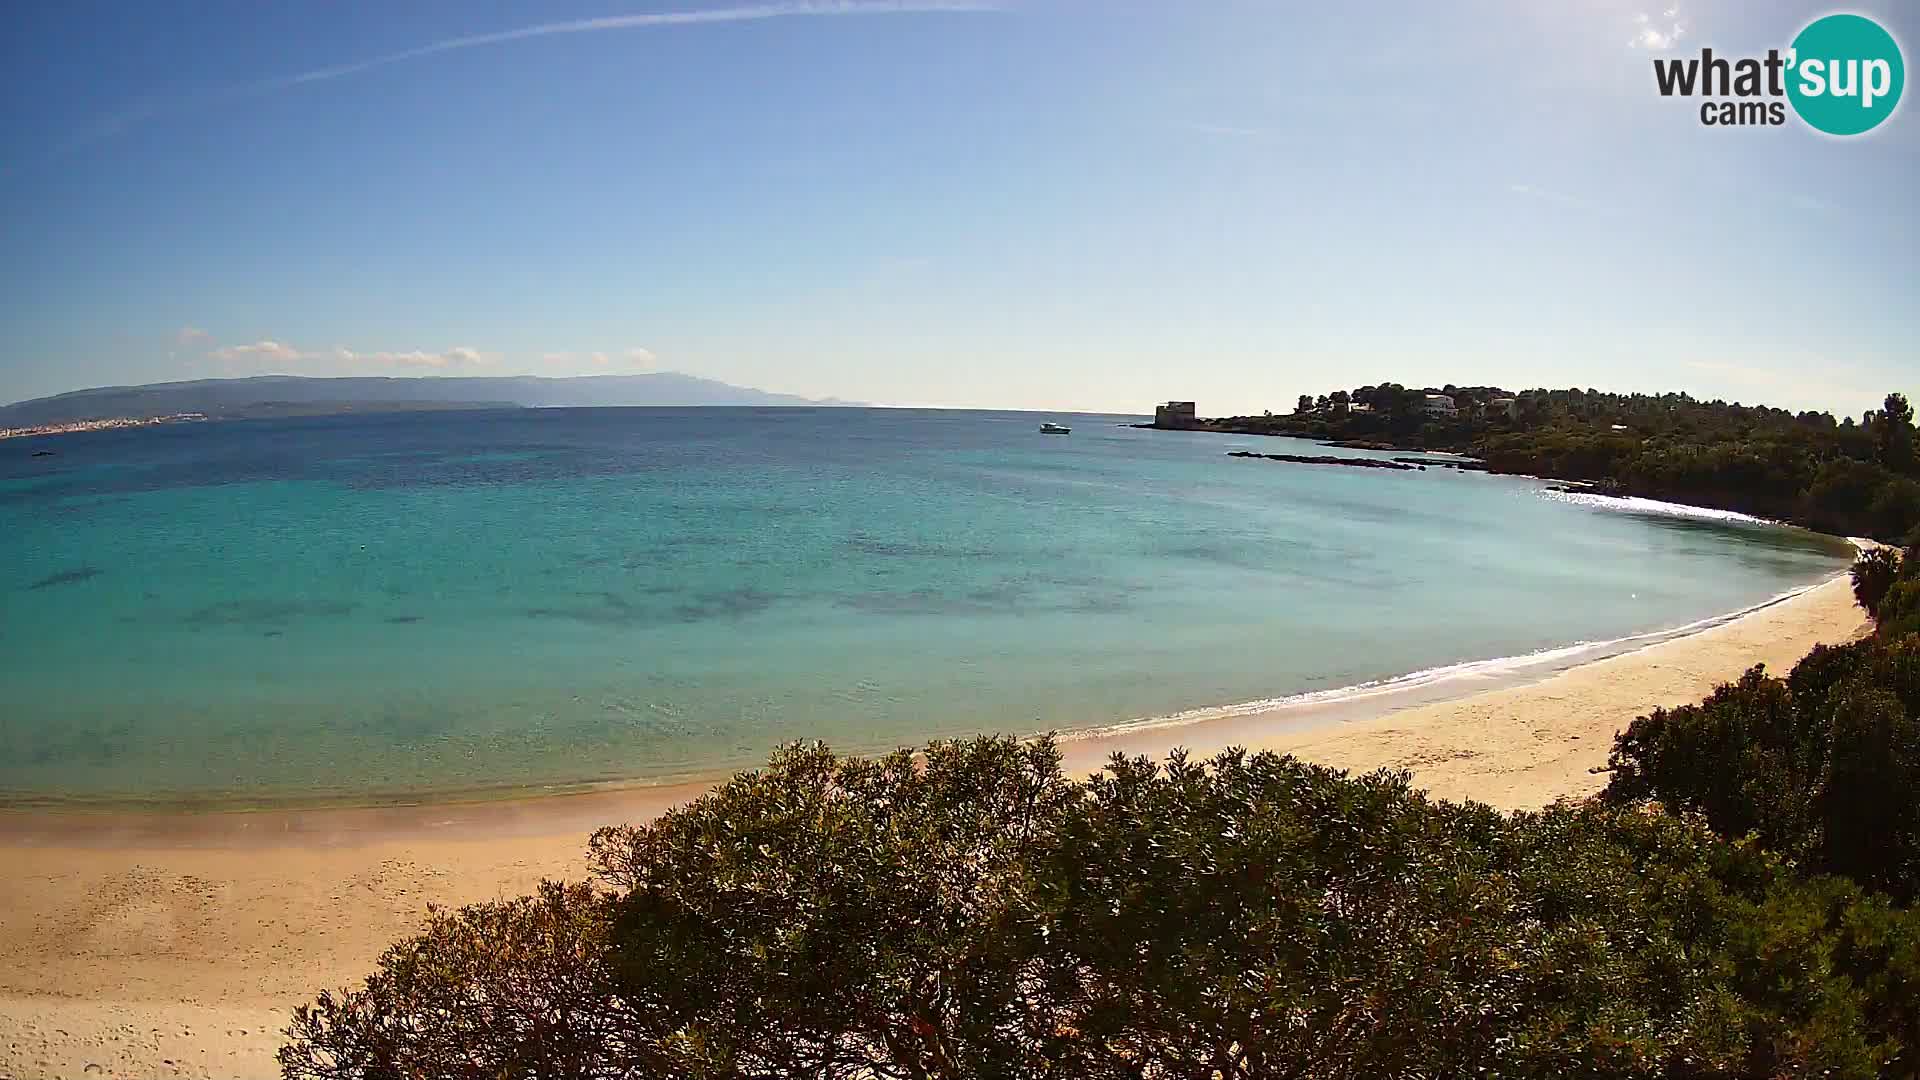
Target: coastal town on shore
x: 99, y: 425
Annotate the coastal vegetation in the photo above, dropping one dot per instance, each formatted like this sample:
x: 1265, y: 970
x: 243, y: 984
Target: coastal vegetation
x: 1844, y: 476
x: 1739, y: 903
x: 1822, y: 766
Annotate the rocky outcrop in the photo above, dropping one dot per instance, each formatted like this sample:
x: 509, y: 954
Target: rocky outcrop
x: 1358, y: 463
x: 1463, y: 464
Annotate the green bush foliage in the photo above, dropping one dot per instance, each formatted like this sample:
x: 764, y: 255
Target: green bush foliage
x: 1874, y: 572
x: 1887, y: 584
x: 1899, y: 611
x: 1823, y: 766
x: 1837, y: 476
x: 972, y: 912
x: 514, y: 989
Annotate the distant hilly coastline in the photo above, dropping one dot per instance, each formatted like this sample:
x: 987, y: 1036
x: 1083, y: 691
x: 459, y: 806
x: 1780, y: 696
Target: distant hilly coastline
x: 293, y: 395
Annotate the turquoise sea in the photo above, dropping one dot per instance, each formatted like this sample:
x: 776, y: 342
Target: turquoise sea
x: 365, y: 608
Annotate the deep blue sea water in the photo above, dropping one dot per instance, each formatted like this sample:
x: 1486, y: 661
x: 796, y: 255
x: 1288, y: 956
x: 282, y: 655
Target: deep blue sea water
x: 375, y: 607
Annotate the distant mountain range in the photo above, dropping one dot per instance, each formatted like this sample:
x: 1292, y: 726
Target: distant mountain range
x: 292, y: 395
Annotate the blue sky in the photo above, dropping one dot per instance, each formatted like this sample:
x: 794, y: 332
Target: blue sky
x: 1051, y: 205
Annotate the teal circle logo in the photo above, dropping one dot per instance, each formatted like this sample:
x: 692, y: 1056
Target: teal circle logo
x: 1845, y: 74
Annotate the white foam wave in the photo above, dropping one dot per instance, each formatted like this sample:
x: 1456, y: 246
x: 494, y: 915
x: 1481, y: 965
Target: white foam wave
x: 1465, y: 676
x: 1635, y: 504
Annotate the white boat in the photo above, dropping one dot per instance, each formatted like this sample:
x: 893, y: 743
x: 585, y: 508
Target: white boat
x: 1055, y: 429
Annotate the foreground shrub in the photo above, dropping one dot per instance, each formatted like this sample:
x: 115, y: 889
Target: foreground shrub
x: 519, y: 988
x: 1899, y: 611
x: 1823, y: 766
x: 976, y: 914
x: 836, y: 916
x: 1873, y: 574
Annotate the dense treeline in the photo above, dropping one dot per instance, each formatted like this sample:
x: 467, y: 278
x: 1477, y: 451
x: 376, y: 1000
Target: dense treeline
x: 972, y: 912
x: 1839, y: 476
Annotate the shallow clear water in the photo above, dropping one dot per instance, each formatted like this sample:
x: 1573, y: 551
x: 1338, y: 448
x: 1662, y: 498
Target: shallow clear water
x: 370, y: 607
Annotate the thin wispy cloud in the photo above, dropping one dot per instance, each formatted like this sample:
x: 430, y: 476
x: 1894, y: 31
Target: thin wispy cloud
x: 753, y: 13
x: 1658, y: 33
x: 268, y: 353
x: 140, y: 112
x: 258, y: 351
x: 459, y: 357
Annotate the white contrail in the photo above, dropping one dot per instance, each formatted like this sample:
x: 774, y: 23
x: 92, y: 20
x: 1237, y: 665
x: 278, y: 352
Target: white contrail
x: 634, y: 22
x: 127, y: 117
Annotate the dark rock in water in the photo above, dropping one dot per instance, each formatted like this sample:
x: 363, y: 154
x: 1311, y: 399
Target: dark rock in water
x: 1358, y: 463
x: 67, y: 577
x: 43, y: 453
x: 1464, y: 464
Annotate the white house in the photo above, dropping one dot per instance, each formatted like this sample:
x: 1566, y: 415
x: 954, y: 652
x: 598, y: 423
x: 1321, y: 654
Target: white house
x: 1440, y: 405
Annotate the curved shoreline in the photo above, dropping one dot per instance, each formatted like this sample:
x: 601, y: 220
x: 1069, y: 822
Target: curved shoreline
x: 179, y: 943
x: 538, y: 811
x: 1527, y: 745
x: 195, y: 822
x: 1446, y: 682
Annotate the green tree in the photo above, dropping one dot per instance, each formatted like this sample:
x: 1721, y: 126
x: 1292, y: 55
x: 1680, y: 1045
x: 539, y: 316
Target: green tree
x: 1895, y: 431
x: 1843, y: 478
x: 1874, y: 572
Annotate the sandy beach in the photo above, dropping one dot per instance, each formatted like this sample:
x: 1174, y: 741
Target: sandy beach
x: 177, y: 945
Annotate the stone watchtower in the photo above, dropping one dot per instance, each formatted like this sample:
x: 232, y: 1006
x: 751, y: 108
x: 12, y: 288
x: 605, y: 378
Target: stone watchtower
x: 1175, y: 414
